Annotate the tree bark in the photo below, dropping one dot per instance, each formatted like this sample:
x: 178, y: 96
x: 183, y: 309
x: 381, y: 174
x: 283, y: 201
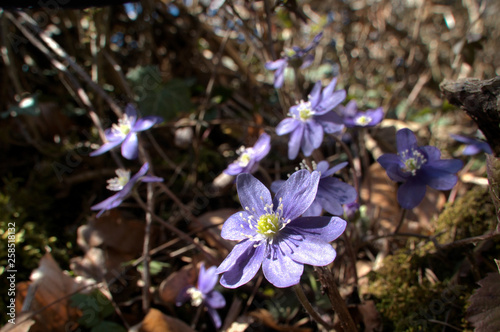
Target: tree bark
x: 480, y: 99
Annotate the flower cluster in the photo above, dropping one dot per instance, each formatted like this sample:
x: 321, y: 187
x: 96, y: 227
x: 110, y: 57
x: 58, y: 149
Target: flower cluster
x: 308, y: 121
x: 418, y: 167
x: 273, y: 234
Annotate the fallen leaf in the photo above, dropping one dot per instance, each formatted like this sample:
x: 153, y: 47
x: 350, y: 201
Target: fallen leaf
x: 484, y: 309
x: 170, y: 287
x: 156, y: 321
x: 51, y: 301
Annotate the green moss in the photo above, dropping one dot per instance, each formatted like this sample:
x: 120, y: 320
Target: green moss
x: 471, y: 215
x: 421, y: 288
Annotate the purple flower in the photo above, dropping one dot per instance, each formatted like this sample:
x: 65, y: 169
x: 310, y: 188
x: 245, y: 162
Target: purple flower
x: 309, y: 120
x: 124, y: 185
x: 204, y: 293
x: 418, y: 167
x: 272, y: 233
x: 354, y: 118
x: 350, y: 209
x: 249, y: 158
x: 125, y: 133
x: 472, y: 145
x: 296, y: 56
x: 332, y: 192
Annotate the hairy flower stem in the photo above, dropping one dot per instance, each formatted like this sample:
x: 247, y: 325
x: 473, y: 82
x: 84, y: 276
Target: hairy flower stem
x: 338, y: 303
x: 307, y: 305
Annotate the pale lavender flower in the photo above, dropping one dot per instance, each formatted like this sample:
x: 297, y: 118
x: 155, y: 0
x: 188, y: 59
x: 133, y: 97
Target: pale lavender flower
x: 204, y: 293
x: 472, y: 145
x: 123, y: 184
x: 272, y: 233
x: 296, y: 56
x: 309, y: 120
x: 332, y: 192
x: 125, y: 133
x: 418, y: 167
x: 249, y: 158
x: 354, y: 118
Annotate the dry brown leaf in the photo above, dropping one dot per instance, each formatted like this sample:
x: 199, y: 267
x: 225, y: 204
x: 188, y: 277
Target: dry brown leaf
x: 267, y: 319
x: 108, y: 242
x: 170, y: 287
x: 156, y: 321
x: 52, y: 292
x: 484, y: 309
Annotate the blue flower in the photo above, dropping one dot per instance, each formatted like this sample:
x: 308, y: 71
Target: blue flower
x: 272, y: 233
x: 354, y: 118
x: 332, y: 192
x: 249, y: 158
x: 418, y: 167
x: 309, y: 120
x: 125, y: 133
x: 296, y: 56
x: 472, y: 145
x: 204, y: 293
x: 124, y: 185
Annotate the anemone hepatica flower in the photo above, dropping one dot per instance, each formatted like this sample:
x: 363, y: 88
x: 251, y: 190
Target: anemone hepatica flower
x: 249, y: 158
x: 295, y: 56
x: 273, y: 234
x: 204, y: 293
x: 125, y: 133
x: 123, y: 184
x: 309, y: 120
x: 418, y: 167
x: 472, y: 145
x: 332, y: 192
x: 354, y: 118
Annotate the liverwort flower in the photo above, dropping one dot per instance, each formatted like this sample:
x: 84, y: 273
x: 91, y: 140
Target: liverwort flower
x: 354, y: 118
x: 273, y: 234
x: 123, y: 184
x: 204, y: 293
x: 309, y: 120
x: 125, y: 133
x: 295, y: 56
x: 248, y: 160
x: 418, y: 167
x: 332, y: 192
x: 472, y: 145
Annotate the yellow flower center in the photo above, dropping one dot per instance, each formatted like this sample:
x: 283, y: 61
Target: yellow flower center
x: 268, y: 224
x: 305, y: 111
x: 363, y: 120
x: 117, y: 183
x: 413, y: 160
x: 196, y: 296
x: 123, y: 127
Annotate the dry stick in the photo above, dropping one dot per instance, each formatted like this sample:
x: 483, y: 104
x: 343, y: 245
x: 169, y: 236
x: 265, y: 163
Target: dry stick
x: 267, y: 8
x: 338, y: 303
x: 57, y: 49
x: 175, y: 230
x: 307, y: 305
x: 145, y: 251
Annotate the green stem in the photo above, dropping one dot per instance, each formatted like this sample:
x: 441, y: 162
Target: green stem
x: 307, y: 305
